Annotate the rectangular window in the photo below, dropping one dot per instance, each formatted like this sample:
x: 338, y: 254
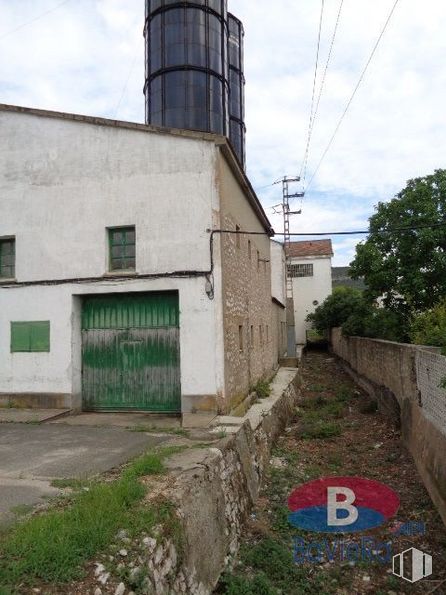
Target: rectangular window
x: 122, y: 242
x: 237, y: 236
x: 300, y: 270
x: 258, y: 260
x: 7, y: 258
x: 249, y: 249
x: 30, y: 336
x: 240, y: 338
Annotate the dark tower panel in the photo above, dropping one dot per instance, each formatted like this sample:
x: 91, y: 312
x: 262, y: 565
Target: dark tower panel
x: 237, y: 128
x: 187, y: 82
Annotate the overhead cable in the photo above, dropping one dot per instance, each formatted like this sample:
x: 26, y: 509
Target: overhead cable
x: 361, y: 78
x: 324, y: 76
x: 316, y: 66
x: 33, y: 20
x: 268, y: 185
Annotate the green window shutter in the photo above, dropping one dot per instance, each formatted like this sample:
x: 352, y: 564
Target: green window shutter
x: 40, y: 336
x: 30, y: 337
x: 20, y: 337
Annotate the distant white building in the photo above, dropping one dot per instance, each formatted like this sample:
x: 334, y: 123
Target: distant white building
x: 310, y: 269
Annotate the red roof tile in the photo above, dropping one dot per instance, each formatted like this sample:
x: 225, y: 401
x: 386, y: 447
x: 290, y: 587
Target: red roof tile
x: 310, y: 248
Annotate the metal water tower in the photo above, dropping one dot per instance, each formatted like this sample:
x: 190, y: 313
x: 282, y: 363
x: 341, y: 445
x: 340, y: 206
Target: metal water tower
x: 237, y: 128
x: 194, y: 68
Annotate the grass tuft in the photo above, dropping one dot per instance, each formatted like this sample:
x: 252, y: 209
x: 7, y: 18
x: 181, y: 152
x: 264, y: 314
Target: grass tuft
x: 263, y: 389
x: 73, y: 483
x: 320, y: 429
x: 231, y: 584
x: 344, y: 394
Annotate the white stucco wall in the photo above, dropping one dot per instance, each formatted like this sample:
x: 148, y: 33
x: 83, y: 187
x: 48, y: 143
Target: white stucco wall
x: 306, y: 290
x: 59, y: 371
x: 278, y: 272
x: 62, y: 183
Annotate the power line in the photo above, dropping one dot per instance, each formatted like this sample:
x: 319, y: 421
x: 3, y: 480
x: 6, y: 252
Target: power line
x: 268, y: 185
x: 33, y: 20
x: 314, y: 88
x: 324, y: 76
x: 361, y: 78
x: 334, y: 233
x: 370, y: 232
x: 126, y: 82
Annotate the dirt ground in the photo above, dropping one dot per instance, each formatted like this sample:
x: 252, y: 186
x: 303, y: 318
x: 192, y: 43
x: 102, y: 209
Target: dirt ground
x: 337, y: 432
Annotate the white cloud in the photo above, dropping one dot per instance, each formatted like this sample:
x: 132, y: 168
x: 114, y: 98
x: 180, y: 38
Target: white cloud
x: 79, y: 58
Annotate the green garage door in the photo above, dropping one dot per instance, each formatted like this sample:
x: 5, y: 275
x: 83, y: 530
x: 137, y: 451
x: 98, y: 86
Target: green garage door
x: 131, y: 352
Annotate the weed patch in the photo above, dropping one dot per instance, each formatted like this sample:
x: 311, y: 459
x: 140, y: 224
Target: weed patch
x: 263, y: 389
x: 231, y: 584
x: 73, y: 483
x: 54, y: 545
x: 320, y: 430
x: 319, y: 408
x: 344, y: 394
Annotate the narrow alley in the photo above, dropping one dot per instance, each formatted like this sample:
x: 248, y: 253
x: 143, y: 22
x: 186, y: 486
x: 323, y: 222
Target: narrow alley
x: 337, y: 431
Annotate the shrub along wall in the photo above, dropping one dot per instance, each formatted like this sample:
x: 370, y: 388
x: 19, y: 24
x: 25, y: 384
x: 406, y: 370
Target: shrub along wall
x: 406, y: 381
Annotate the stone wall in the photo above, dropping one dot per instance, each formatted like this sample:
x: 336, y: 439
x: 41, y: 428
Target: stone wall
x: 248, y: 320
x: 214, y: 490
x: 405, y: 380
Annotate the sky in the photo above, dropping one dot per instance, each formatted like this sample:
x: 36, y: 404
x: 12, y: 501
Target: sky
x: 87, y: 56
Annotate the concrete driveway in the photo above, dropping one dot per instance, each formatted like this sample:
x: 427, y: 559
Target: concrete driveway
x: 31, y: 456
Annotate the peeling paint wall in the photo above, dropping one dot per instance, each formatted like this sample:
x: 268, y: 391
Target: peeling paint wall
x: 62, y: 183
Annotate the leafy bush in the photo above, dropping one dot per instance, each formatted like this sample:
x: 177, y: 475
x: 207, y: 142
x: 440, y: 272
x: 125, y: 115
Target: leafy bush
x: 335, y: 310
x: 347, y: 307
x: 429, y: 328
x: 376, y: 323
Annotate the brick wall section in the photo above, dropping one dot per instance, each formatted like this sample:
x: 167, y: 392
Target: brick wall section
x: 411, y: 375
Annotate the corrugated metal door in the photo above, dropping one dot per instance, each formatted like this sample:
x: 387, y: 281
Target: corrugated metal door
x: 131, y: 353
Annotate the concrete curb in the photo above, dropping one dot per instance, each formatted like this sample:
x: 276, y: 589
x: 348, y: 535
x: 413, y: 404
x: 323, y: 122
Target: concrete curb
x: 215, y: 488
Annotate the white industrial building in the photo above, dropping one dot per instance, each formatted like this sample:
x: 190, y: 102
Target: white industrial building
x: 310, y: 269
x: 115, y: 293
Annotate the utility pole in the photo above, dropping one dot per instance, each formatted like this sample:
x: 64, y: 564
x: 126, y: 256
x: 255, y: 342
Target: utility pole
x: 287, y: 195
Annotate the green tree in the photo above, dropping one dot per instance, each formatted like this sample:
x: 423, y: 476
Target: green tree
x: 376, y: 323
x: 336, y: 308
x: 429, y: 328
x: 407, y: 268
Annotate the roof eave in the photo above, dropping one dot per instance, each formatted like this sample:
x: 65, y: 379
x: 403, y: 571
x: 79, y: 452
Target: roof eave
x: 228, y: 152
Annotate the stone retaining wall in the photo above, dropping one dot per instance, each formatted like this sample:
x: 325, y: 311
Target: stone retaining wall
x: 405, y: 380
x: 214, y: 490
